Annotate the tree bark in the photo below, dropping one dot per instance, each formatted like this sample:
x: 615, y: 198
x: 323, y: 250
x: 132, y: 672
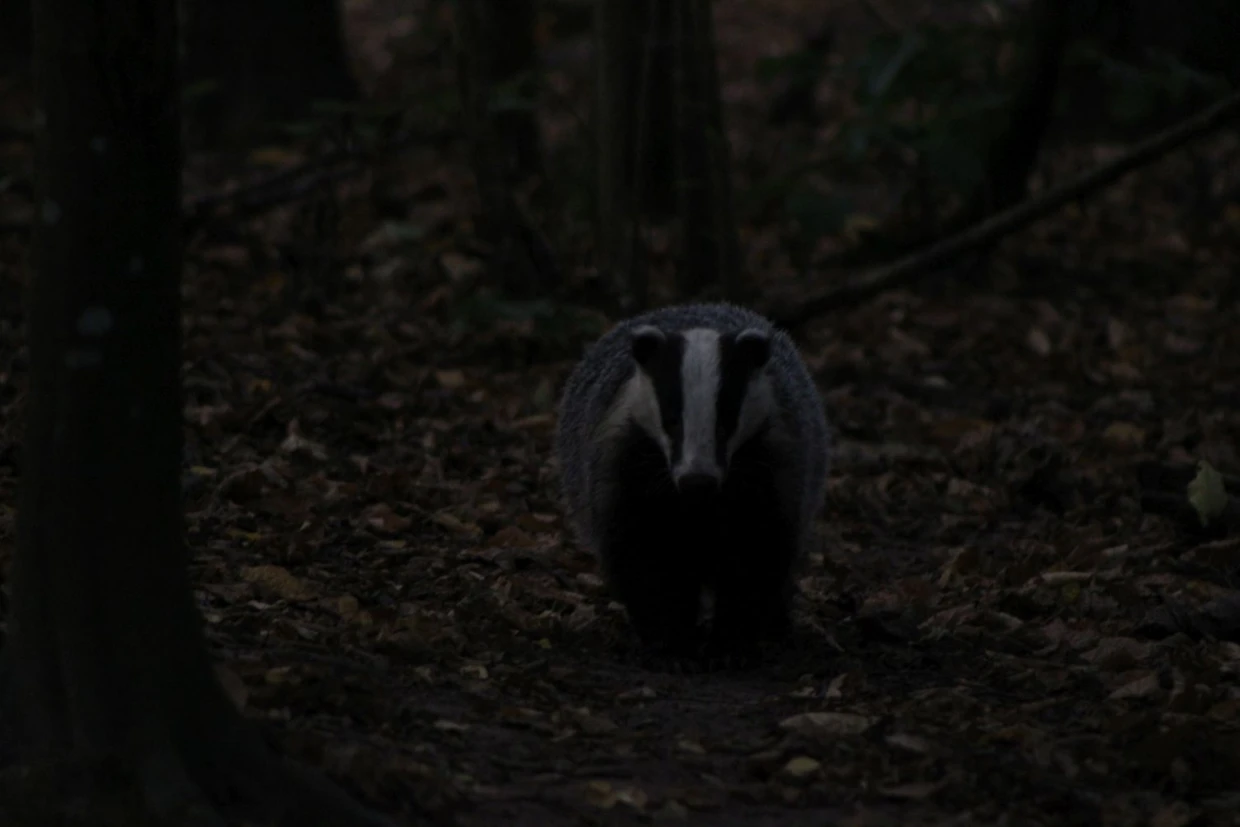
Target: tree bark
x: 105, y: 652
x: 503, y: 146
x: 254, y: 63
x: 710, y: 254
x: 14, y: 36
x: 634, y: 118
x: 1014, y: 152
x: 513, y: 64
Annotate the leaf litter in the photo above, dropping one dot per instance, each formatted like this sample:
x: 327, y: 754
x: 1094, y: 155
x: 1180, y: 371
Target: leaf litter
x: 1023, y: 609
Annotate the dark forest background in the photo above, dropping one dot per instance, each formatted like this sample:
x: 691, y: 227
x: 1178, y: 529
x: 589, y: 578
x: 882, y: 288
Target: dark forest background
x: 287, y: 296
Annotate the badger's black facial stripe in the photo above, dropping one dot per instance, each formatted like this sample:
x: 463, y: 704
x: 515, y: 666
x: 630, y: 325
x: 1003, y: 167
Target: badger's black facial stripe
x: 659, y: 356
x: 741, y: 356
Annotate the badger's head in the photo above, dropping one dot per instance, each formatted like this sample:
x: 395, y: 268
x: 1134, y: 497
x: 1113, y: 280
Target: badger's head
x: 700, y: 394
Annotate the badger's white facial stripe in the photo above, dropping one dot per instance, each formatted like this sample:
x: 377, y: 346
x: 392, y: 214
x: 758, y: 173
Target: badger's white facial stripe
x: 636, y: 402
x: 756, y: 408
x: 700, y: 376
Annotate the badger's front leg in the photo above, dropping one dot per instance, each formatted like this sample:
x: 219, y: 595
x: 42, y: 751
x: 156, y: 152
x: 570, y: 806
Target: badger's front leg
x: 753, y: 573
x: 753, y: 598
x: 660, y: 592
x: 653, y: 572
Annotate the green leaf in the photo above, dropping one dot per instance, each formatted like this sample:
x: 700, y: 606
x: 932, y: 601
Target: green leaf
x: 1207, y: 494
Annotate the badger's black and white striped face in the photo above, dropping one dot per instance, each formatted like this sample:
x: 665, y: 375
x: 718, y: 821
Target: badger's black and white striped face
x: 700, y: 394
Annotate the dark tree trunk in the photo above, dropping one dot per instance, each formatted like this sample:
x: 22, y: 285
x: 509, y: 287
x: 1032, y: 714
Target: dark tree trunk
x: 509, y: 42
x: 710, y: 257
x: 14, y: 36
x: 495, y: 49
x: 253, y: 63
x: 105, y: 653
x: 634, y: 118
x: 1014, y: 152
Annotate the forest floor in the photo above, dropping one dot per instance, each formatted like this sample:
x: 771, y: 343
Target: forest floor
x: 1008, y: 621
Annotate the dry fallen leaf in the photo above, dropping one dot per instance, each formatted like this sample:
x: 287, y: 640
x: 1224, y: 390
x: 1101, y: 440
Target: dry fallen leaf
x: 444, y: 725
x: 1123, y: 436
x: 347, y: 606
x: 459, y: 266
x: 1117, y: 654
x: 1146, y: 686
x: 690, y: 746
x: 382, y: 517
x: 295, y: 443
x: 801, y: 767
x: 906, y: 741
x: 450, y: 379
x: 1038, y: 341
x: 826, y: 723
x: 593, y: 724
x: 278, y: 581
x: 600, y: 794
x: 450, y: 521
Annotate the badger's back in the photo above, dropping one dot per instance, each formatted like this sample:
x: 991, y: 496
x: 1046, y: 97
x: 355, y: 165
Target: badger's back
x: 607, y: 365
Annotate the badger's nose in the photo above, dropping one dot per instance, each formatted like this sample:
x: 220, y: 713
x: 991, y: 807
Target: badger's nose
x: 697, y: 485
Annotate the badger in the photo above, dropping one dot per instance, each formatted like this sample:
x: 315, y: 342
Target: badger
x: 693, y: 451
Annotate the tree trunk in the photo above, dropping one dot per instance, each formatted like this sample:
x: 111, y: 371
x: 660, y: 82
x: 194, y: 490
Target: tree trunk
x: 503, y: 145
x: 105, y: 652
x: 1014, y: 152
x: 14, y: 37
x: 513, y: 59
x: 634, y: 119
x: 253, y: 63
x: 710, y: 254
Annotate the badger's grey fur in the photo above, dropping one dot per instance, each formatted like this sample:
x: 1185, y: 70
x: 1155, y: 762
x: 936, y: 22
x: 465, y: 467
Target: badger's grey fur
x: 693, y: 452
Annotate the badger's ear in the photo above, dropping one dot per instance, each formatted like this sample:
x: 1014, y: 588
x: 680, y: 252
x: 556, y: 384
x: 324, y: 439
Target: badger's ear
x: 646, y: 340
x: 754, y: 347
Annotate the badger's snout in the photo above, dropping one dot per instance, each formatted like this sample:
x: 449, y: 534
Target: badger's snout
x: 698, y: 484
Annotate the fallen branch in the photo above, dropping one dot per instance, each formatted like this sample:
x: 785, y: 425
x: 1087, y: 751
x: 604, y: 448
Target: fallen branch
x: 868, y: 284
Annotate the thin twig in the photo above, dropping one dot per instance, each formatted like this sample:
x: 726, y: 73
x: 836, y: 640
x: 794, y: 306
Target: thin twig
x: 861, y: 287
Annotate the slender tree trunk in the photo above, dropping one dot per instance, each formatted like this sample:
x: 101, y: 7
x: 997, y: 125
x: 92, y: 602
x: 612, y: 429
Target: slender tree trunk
x: 1014, y: 152
x: 617, y: 219
x: 253, y: 63
x: 14, y: 36
x: 634, y: 117
x: 519, y: 263
x: 710, y: 255
x: 513, y: 67
x: 105, y: 653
